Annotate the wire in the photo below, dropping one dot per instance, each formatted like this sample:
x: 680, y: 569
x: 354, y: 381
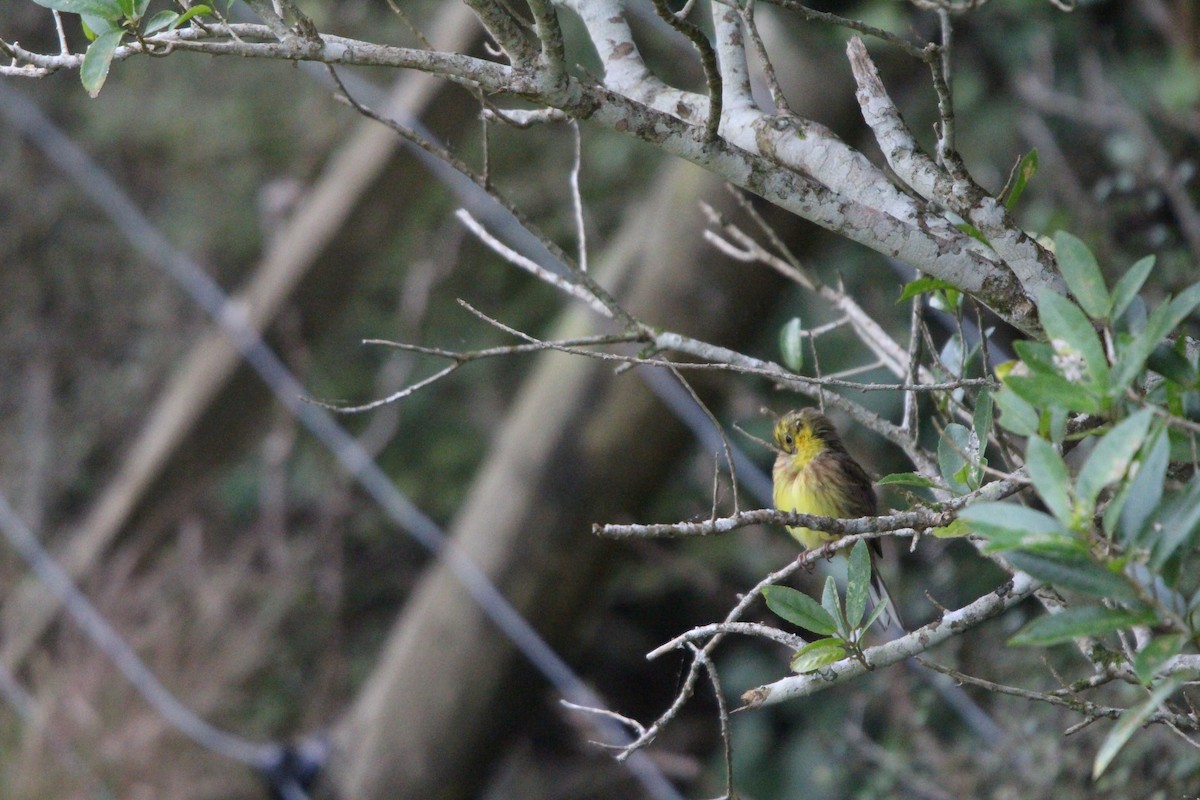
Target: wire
x: 98, y: 186
x: 107, y: 639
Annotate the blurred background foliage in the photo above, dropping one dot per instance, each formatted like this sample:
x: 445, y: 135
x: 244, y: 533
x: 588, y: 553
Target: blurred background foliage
x: 259, y: 585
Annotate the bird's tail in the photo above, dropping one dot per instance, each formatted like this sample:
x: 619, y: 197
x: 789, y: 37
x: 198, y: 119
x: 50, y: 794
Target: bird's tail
x: 889, y: 619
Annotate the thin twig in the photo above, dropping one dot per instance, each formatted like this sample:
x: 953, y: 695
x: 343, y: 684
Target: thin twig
x: 708, y: 61
x: 604, y: 712
x: 584, y: 280
x: 939, y: 65
x: 408, y: 23
x: 689, y: 681
x: 811, y: 15
x: 781, y: 104
x: 576, y: 290
x: 668, y: 340
x: 722, y: 714
x: 1093, y: 711
x: 577, y: 197
x: 911, y: 403
x: 850, y: 530
x: 63, y: 48
x: 789, y: 640
x: 719, y: 428
x: 391, y: 398
x: 507, y: 350
x: 900, y: 524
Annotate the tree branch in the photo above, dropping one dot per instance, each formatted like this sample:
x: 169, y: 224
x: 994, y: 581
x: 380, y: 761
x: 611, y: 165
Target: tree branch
x: 950, y: 624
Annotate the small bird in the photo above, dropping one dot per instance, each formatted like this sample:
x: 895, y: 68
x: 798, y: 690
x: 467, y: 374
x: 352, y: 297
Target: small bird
x: 814, y: 474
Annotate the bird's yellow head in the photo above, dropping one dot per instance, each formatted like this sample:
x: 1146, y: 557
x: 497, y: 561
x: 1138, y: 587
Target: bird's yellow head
x: 805, y: 433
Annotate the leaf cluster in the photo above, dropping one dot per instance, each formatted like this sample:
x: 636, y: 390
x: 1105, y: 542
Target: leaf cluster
x: 106, y: 23
x: 840, y: 624
x: 1116, y: 384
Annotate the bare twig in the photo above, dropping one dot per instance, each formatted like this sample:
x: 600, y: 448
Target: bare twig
x: 789, y: 640
x: 939, y: 66
x: 812, y: 15
x: 911, y: 401
x: 708, y: 61
x: 862, y: 527
x: 633, y: 724
x: 1093, y: 711
x: 687, y: 687
x: 768, y: 68
x: 408, y: 23
x: 722, y: 715
x: 576, y: 290
x: 577, y: 197
x: 720, y: 431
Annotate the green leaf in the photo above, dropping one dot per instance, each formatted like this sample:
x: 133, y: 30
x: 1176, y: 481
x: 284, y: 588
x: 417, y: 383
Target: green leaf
x: 954, y: 448
x: 1134, y: 320
x: 1074, y: 571
x: 1049, y: 474
x: 966, y: 475
x: 831, y: 601
x: 1050, y: 391
x: 1184, y: 446
x: 159, y: 21
x: 877, y: 612
x: 1146, y: 488
x: 1110, y: 458
x: 1129, y: 285
x: 1064, y: 321
x: 1045, y: 391
x: 908, y: 479
x: 1158, y: 651
x: 1037, y: 356
x: 1172, y: 365
x: 1075, y: 622
x: 1179, y: 521
x: 1054, y: 423
x: 1082, y: 274
x: 858, y: 577
x: 817, y: 654
x: 973, y: 232
x: 1131, y: 358
x: 133, y: 10
x: 799, y: 609
x: 104, y: 9
x: 1112, y: 509
x: 1130, y: 722
x: 194, y: 11
x: 791, y: 344
x: 94, y: 26
x: 956, y: 529
x: 982, y: 419
x: 1016, y: 414
x: 1023, y: 173
x: 1007, y: 526
x: 97, y: 60
x: 922, y: 285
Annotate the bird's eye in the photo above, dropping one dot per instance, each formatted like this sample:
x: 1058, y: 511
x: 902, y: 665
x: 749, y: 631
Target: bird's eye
x: 787, y: 439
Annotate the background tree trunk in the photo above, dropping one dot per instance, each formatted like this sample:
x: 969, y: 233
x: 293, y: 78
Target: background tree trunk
x: 579, y: 445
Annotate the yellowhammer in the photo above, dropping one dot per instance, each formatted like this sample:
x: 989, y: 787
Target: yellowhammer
x: 814, y: 474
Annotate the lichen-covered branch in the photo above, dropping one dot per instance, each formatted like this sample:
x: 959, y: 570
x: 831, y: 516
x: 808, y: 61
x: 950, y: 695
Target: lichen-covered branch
x: 1033, y: 265
x: 792, y: 162
x: 952, y: 623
